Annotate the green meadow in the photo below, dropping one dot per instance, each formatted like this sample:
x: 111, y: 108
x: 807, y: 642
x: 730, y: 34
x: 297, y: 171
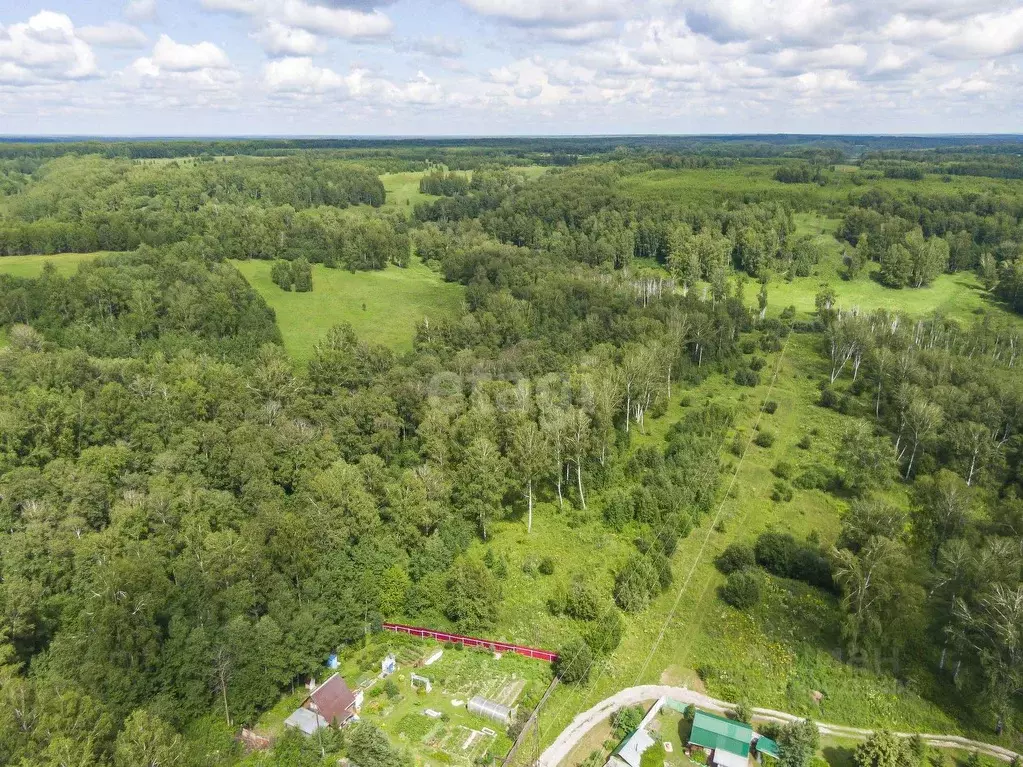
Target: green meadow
x: 383, y: 306
x: 32, y: 266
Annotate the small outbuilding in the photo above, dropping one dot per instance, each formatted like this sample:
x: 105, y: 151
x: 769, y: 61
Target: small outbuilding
x: 630, y: 751
x: 726, y: 741
x: 490, y: 709
x: 305, y: 720
x: 332, y: 703
x: 766, y: 746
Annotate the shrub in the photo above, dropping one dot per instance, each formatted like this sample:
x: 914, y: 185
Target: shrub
x: 742, y: 590
x: 764, y: 438
x: 749, y: 345
x: 635, y: 583
x: 747, y: 377
x: 770, y: 407
x: 781, y: 492
x: 619, y: 509
x: 391, y: 689
x: 743, y: 712
x: 805, y: 442
x: 574, y: 661
x: 626, y: 721
x: 780, y: 554
x: 547, y: 566
x: 738, y: 556
x: 815, y: 478
x: 829, y: 397
x: 604, y: 634
x: 788, y: 313
x: 757, y: 363
x: 583, y: 601
x: 783, y: 470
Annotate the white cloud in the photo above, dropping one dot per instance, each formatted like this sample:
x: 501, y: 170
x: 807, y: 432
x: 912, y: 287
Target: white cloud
x: 179, y: 57
x: 318, y: 19
x: 114, y: 34
x: 839, y: 56
x: 280, y: 40
x: 140, y: 10
x: 581, y: 33
x: 47, y: 46
x: 298, y: 74
x: 538, y: 12
x: 766, y: 22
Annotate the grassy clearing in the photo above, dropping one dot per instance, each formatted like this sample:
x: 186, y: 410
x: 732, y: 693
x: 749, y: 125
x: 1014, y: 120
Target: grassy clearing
x: 32, y: 266
x: 756, y: 183
x: 383, y: 306
x: 788, y: 647
x: 403, y: 190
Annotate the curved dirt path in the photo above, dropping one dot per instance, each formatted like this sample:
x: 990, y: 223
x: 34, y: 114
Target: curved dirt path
x: 631, y: 696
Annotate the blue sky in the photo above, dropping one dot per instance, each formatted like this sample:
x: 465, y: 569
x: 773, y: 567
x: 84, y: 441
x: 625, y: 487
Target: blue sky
x: 509, y: 67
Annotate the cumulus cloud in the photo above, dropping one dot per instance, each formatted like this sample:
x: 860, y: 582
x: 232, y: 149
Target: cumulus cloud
x: 344, y: 22
x: 536, y: 12
x: 281, y: 40
x: 180, y: 57
x: 140, y: 10
x: 114, y: 34
x: 46, y: 47
x: 298, y: 74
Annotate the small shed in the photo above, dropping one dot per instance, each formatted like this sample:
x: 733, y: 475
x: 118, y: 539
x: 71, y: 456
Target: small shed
x: 630, y: 751
x: 490, y: 709
x: 728, y: 740
x: 388, y: 665
x: 766, y: 746
x: 305, y: 720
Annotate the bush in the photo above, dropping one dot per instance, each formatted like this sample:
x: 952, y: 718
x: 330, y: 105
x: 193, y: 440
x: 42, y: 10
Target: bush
x: 743, y: 712
x: 626, y: 721
x: 747, y: 377
x: 391, y: 689
x: 770, y: 407
x: 783, y: 470
x: 805, y: 443
x: 738, y: 556
x: 604, y: 634
x: 742, y: 590
x: 829, y: 397
x: 583, y: 601
x: 815, y: 478
x: 748, y: 346
x: 764, y: 438
x: 547, y: 566
x: 574, y: 661
x: 788, y: 313
x: 781, y: 492
x: 619, y: 509
x: 781, y: 555
x: 757, y: 363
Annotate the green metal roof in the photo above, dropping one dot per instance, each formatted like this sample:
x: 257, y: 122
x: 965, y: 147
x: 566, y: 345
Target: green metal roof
x: 710, y: 731
x: 767, y: 746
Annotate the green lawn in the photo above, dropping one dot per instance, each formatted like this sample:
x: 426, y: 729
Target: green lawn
x: 383, y: 306
x: 403, y: 190
x: 32, y: 266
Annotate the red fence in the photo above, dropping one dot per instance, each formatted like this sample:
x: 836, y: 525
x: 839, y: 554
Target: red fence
x: 443, y: 636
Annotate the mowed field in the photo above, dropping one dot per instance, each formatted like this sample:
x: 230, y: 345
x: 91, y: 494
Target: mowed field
x: 383, y: 306
x: 32, y: 266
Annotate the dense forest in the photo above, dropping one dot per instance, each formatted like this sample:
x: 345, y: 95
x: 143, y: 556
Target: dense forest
x: 192, y: 522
